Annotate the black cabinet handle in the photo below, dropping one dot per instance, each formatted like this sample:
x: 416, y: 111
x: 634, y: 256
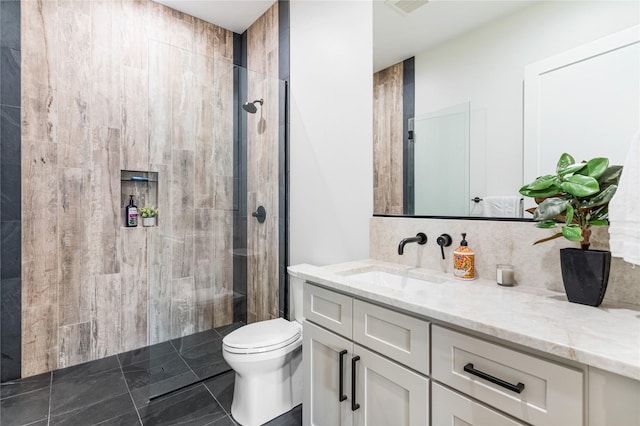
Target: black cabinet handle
x: 341, y: 395
x: 354, y: 405
x: 515, y: 388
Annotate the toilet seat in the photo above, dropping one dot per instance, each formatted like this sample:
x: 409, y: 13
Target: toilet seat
x: 264, y: 336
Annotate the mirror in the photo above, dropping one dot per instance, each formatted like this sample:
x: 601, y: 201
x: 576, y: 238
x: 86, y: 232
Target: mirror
x: 482, y: 67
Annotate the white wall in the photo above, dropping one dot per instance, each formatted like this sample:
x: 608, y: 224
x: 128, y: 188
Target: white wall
x: 331, y: 149
x: 486, y: 67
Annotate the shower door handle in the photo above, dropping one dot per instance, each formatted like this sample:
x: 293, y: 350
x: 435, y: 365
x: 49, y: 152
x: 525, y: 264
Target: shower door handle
x: 260, y: 214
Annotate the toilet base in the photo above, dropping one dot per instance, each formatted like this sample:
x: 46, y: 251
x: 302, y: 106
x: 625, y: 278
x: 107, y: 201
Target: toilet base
x: 258, y: 398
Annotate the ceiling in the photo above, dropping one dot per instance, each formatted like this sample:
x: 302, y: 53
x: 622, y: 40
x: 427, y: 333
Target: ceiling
x: 396, y: 36
x: 233, y: 15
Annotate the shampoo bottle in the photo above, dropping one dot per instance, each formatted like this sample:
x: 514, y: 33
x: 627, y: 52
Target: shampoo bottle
x: 132, y: 213
x: 464, y: 261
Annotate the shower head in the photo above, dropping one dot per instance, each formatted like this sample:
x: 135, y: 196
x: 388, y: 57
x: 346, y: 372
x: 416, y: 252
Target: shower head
x: 250, y: 107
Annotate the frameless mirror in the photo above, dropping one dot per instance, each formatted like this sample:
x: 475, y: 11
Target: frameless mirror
x: 482, y: 64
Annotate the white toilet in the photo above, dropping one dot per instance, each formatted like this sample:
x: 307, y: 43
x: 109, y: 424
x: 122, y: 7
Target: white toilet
x: 267, y: 359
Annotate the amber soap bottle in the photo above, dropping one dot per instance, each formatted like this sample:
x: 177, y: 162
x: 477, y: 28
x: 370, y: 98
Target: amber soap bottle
x: 464, y: 261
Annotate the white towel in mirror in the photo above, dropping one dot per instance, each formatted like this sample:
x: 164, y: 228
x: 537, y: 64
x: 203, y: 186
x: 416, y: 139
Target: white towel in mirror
x: 499, y: 206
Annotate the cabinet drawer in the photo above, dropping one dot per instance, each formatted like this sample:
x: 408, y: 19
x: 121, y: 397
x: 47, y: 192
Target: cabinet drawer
x: 329, y: 309
x: 551, y: 393
x: 451, y: 409
x: 401, y: 337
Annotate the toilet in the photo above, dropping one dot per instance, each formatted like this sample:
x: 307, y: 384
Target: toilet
x: 267, y: 359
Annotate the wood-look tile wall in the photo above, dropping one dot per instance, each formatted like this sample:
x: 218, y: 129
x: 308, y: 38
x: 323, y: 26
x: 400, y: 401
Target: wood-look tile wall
x: 107, y: 86
x: 388, y: 140
x: 263, y: 133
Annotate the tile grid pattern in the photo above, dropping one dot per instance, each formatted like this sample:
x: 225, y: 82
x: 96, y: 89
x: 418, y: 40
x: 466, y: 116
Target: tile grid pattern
x: 97, y: 98
x: 116, y: 389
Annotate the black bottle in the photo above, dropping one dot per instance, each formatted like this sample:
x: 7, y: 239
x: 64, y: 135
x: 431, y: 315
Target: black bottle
x: 132, y: 213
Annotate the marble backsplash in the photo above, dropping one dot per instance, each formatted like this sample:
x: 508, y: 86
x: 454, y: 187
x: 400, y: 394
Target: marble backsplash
x: 496, y: 242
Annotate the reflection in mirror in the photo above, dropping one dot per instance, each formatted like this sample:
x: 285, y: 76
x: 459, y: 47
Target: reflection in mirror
x: 485, y: 68
x: 441, y: 162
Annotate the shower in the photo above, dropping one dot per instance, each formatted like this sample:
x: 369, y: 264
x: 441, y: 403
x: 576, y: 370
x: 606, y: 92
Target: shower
x: 250, y: 107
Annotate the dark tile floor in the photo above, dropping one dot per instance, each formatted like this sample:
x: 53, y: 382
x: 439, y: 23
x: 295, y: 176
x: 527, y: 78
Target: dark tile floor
x: 157, y: 385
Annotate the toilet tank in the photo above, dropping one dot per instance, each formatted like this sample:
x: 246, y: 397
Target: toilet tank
x: 295, y: 299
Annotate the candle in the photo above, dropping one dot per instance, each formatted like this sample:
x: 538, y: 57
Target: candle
x: 505, y: 275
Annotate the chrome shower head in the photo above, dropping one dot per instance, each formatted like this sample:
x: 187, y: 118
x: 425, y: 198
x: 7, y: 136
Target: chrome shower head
x: 250, y: 107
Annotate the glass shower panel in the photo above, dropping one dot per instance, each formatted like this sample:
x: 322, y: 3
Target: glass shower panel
x: 265, y: 130
x: 209, y: 261
x: 441, y: 162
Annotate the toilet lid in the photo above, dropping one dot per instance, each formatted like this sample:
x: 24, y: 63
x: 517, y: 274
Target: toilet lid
x: 262, y: 336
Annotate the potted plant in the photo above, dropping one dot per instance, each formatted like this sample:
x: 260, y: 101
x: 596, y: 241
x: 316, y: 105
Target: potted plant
x: 149, y: 215
x: 577, y: 197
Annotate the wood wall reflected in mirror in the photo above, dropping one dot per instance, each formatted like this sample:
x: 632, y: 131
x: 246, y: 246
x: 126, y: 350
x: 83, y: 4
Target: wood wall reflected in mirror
x: 393, y: 107
x: 387, y: 140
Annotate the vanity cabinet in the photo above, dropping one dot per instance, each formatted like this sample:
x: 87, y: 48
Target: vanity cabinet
x: 355, y: 357
x: 462, y: 363
x: 409, y: 371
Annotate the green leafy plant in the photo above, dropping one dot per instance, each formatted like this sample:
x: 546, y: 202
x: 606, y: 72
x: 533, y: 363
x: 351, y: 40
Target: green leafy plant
x: 577, y: 195
x: 151, y: 211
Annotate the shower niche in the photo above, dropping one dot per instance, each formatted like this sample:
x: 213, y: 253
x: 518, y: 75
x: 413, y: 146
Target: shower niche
x: 143, y: 185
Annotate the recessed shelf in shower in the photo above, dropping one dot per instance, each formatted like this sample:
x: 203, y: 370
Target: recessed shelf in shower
x: 143, y: 185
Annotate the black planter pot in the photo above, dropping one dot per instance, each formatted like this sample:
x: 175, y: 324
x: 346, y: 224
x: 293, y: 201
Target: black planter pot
x: 585, y: 274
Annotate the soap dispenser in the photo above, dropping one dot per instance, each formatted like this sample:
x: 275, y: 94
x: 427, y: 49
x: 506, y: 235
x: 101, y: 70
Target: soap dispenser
x: 464, y: 261
x: 132, y: 213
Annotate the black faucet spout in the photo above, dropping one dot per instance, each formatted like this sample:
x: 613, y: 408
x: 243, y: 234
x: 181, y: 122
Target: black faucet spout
x: 420, y: 238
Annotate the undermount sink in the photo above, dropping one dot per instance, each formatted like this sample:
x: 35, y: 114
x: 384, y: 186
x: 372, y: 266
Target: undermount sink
x: 394, y: 281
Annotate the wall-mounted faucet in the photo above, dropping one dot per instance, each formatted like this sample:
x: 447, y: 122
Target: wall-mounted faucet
x: 443, y: 241
x: 420, y: 238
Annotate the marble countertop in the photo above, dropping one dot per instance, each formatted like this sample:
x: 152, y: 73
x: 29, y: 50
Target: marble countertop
x: 607, y: 337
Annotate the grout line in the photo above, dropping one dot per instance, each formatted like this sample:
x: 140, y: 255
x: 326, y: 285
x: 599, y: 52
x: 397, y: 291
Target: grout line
x: 50, y: 396
x: 129, y: 390
x: 184, y: 361
x: 226, y: 414
x: 216, y: 399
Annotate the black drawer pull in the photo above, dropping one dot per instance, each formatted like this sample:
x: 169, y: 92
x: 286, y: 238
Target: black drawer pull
x: 354, y: 405
x: 515, y: 388
x: 341, y: 395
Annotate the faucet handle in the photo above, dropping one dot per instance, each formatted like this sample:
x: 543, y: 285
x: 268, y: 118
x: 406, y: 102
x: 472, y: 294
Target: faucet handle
x: 443, y: 241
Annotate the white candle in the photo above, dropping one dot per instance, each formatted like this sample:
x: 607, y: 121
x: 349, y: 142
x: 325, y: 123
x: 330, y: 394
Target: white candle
x: 505, y: 275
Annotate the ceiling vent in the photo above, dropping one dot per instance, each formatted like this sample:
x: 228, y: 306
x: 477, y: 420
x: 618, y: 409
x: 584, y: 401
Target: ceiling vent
x: 405, y: 7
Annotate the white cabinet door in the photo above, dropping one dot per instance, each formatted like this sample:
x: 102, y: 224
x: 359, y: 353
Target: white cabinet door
x: 450, y: 408
x: 327, y: 401
x: 387, y: 393
x: 613, y: 399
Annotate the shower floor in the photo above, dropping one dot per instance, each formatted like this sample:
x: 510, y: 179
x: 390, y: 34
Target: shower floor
x: 156, y: 385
